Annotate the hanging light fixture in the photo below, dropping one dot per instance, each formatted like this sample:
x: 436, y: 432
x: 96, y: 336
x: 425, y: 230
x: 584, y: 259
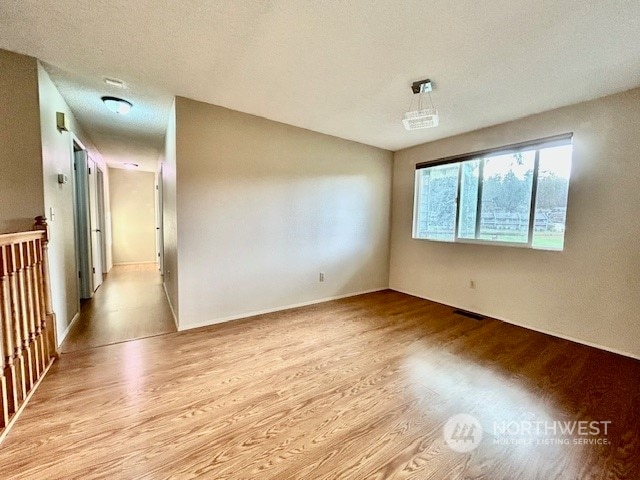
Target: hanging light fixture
x: 424, y: 116
x: 117, y: 105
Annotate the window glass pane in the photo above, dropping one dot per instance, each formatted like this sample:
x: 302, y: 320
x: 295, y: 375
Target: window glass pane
x: 551, y: 197
x: 469, y: 198
x: 507, y: 182
x: 436, y: 202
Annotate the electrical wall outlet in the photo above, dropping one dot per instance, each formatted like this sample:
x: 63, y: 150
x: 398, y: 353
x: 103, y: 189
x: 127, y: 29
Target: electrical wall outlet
x: 321, y: 278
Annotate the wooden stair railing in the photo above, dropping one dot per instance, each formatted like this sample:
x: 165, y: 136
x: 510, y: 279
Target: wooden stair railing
x: 27, y: 322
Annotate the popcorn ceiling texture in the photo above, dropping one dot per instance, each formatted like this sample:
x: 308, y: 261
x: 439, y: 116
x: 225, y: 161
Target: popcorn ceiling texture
x: 341, y: 68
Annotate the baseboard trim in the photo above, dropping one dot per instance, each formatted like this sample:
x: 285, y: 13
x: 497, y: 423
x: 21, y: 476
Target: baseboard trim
x: 277, y: 309
x: 173, y: 312
x: 134, y: 263
x: 15, y: 417
x: 535, y: 329
x: 62, y: 337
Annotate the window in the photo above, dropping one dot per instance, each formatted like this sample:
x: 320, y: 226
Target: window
x: 514, y: 195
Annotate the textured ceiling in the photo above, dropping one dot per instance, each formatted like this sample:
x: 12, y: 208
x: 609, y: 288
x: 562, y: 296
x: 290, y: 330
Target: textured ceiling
x: 342, y: 68
x: 133, y: 138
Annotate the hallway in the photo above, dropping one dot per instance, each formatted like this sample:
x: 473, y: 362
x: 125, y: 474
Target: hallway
x: 130, y: 304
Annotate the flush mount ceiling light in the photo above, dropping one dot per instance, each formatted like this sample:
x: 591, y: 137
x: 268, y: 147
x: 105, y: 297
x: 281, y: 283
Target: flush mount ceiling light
x: 117, y: 105
x: 423, y: 117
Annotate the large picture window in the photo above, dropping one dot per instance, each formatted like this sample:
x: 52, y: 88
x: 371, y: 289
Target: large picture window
x: 514, y: 195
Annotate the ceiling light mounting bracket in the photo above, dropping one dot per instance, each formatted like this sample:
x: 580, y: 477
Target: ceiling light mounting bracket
x: 422, y: 86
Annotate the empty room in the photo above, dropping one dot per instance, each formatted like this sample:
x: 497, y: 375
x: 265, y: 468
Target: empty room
x: 294, y: 239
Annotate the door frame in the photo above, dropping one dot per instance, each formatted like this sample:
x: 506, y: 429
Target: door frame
x: 97, y: 260
x: 102, y: 218
x: 159, y: 222
x: 82, y: 224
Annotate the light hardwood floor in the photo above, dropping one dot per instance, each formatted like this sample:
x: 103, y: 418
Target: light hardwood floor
x: 357, y: 388
x: 130, y: 304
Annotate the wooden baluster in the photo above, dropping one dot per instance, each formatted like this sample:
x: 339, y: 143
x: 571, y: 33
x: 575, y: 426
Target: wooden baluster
x: 8, y: 401
x: 16, y: 327
x: 31, y: 308
x: 39, y: 306
x: 27, y: 353
x: 41, y: 224
x: 4, y: 398
x: 43, y: 308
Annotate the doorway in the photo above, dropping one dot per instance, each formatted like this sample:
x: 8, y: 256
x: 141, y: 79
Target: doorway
x: 159, y: 222
x: 102, y: 224
x: 89, y: 222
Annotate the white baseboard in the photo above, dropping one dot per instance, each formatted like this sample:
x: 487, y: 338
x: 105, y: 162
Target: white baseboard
x: 535, y: 329
x: 68, y: 329
x: 215, y: 321
x: 173, y: 312
x: 134, y: 263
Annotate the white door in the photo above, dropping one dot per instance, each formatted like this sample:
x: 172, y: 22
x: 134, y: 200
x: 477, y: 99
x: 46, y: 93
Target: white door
x: 96, y: 235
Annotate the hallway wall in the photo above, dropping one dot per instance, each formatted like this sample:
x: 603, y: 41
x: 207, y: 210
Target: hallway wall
x: 32, y: 154
x: 21, y: 190
x: 133, y: 222
x: 169, y: 214
x: 57, y: 148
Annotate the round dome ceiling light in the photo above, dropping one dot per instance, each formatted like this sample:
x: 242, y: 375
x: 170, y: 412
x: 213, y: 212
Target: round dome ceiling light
x: 117, y: 105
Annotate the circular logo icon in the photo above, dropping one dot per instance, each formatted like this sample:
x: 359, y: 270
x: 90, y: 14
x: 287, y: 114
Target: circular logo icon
x: 462, y: 432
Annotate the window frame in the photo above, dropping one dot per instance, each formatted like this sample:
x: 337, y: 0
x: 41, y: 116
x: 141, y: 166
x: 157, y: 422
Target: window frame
x: 537, y: 145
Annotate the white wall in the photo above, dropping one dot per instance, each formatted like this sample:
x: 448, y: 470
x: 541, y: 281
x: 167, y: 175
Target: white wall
x: 57, y: 157
x: 133, y: 216
x: 589, y: 292
x: 169, y: 215
x: 263, y: 207
x: 21, y: 193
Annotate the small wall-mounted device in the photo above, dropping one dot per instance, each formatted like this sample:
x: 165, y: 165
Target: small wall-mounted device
x: 62, y: 178
x: 61, y: 122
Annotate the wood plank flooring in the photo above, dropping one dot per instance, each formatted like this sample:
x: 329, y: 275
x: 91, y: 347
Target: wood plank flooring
x: 358, y: 388
x: 130, y: 304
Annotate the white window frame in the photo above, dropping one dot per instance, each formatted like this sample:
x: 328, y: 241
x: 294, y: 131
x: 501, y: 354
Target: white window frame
x: 537, y: 145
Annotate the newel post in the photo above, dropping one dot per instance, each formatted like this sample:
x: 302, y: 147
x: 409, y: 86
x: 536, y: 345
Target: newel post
x: 50, y: 316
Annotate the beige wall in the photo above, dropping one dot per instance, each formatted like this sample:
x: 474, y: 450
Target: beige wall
x: 169, y: 214
x: 589, y: 292
x: 263, y: 207
x: 133, y: 221
x: 21, y: 190
x: 32, y: 154
x: 57, y: 157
